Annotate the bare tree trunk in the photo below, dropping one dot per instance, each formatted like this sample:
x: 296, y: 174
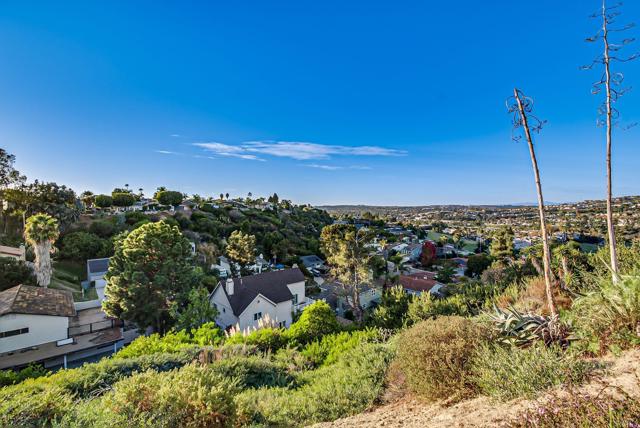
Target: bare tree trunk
x: 543, y: 229
x: 43, y: 263
x: 536, y: 264
x: 607, y: 71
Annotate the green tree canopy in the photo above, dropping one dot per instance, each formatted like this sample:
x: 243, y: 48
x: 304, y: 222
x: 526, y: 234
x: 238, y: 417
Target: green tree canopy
x: 241, y: 247
x: 502, y: 243
x: 150, y: 272
x: 196, y: 311
x: 103, y: 201
x: 123, y: 199
x: 82, y: 245
x: 169, y: 197
x: 14, y: 272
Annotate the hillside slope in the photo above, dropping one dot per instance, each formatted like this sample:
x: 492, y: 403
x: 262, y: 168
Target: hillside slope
x: 622, y: 372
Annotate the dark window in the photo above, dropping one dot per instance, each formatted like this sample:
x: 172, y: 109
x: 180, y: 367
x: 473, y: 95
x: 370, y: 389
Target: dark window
x: 14, y: 332
x: 257, y: 316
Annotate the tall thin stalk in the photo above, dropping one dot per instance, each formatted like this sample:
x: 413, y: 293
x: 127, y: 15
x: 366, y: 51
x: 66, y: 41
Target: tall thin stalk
x: 523, y: 106
x: 609, y: 113
x: 611, y: 82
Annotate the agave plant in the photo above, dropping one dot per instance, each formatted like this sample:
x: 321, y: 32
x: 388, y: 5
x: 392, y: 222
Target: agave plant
x: 523, y: 329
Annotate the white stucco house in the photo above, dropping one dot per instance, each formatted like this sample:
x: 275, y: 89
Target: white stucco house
x: 244, y: 301
x: 45, y: 326
x: 31, y: 316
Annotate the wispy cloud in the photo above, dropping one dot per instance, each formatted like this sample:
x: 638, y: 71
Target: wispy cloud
x: 312, y: 151
x: 229, y: 151
x: 319, y: 166
x: 167, y: 152
x: 295, y: 150
x: 335, y: 167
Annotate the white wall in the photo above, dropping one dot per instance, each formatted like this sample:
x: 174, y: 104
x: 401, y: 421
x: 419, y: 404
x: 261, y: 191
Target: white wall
x: 225, y: 313
x: 42, y: 329
x: 283, y: 313
x: 298, y: 288
x: 259, y: 304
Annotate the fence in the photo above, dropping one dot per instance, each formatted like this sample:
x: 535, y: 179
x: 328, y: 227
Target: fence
x: 93, y: 327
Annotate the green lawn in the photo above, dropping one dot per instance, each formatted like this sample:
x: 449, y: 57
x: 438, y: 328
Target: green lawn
x: 68, y: 276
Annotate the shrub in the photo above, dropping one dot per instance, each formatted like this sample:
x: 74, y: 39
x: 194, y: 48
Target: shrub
x: 193, y: 396
x: 316, y: 320
x: 509, y: 372
x: 393, y: 307
x: 103, y: 228
x: 33, y: 403
x: 347, y: 387
x: 426, y: 307
x: 581, y: 410
x: 435, y: 356
x: 253, y: 372
x: 265, y: 339
x: 154, y: 343
x: 10, y: 377
x: 331, y: 347
x: 611, y: 314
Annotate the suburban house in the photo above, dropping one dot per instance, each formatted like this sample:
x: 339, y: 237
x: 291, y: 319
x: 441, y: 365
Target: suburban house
x: 420, y: 283
x: 223, y: 267
x: 96, y: 270
x: 43, y: 325
x: 412, y: 251
x: 369, y: 295
x: 312, y: 262
x: 259, y: 265
x: 18, y: 253
x: 243, y: 302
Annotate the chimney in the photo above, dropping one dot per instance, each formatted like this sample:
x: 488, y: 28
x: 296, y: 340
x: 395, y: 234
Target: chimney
x: 230, y: 286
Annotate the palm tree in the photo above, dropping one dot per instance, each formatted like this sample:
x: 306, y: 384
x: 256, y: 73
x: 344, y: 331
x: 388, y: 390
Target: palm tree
x: 41, y: 231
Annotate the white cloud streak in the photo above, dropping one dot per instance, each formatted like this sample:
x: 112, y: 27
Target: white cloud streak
x: 295, y: 150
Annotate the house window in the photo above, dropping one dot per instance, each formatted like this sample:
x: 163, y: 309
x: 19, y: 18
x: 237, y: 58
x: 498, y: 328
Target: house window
x: 257, y: 316
x: 282, y: 324
x: 10, y: 333
x: 295, y: 299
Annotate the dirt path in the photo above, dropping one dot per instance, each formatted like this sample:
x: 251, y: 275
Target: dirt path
x: 624, y: 373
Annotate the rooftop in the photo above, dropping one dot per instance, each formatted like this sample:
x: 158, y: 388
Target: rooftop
x: 97, y: 265
x: 25, y: 299
x: 272, y: 285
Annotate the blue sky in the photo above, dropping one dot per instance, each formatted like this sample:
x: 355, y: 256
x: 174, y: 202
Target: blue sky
x: 322, y: 102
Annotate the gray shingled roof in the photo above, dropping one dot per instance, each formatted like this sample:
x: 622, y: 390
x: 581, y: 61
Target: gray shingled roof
x: 310, y: 260
x: 272, y: 285
x: 97, y: 265
x: 25, y: 299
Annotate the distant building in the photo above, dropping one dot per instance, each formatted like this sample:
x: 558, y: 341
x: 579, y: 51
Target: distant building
x: 96, y: 270
x: 312, y: 262
x: 420, y: 283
